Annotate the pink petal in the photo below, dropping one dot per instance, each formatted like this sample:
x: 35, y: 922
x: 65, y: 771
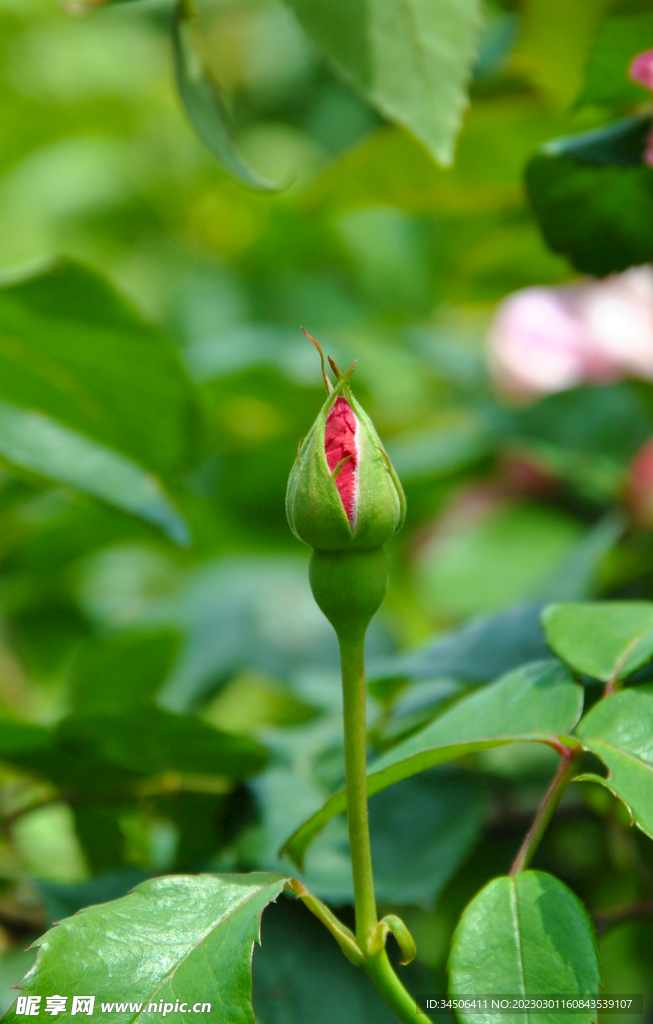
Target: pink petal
x: 340, y: 442
x: 536, y: 342
x: 641, y: 69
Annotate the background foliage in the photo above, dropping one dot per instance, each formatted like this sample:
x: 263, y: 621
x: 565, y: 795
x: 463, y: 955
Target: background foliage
x: 169, y: 692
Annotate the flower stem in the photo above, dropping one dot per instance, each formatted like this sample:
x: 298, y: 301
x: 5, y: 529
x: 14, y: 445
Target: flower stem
x: 352, y: 660
x: 377, y: 966
x: 568, y: 759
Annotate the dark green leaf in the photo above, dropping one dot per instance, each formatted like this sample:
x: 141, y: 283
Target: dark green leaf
x: 527, y: 935
x: 581, y: 422
x: 72, y: 349
x: 121, y: 671
x: 593, y: 197
x: 495, y: 644
x: 98, y: 829
x: 297, y: 959
x: 203, y: 101
x: 149, y: 740
x: 18, y: 738
x: 605, y: 640
x: 411, y: 60
x: 109, y: 753
x: 430, y: 821
x: 619, y: 730
x: 181, y: 937
x: 31, y: 441
x: 536, y: 703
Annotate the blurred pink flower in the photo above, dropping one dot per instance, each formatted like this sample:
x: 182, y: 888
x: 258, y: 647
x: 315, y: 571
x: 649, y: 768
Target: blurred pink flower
x: 641, y: 70
x: 548, y: 339
x: 640, y: 486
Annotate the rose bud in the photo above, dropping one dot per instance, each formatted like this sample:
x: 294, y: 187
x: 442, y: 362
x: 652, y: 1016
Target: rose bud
x: 343, y: 493
x: 344, y: 499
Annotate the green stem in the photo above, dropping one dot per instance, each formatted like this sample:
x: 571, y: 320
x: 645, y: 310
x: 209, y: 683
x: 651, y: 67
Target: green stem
x: 352, y: 660
x: 376, y: 966
x: 568, y: 760
x: 380, y: 972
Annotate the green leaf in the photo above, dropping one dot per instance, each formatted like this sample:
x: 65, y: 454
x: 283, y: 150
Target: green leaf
x: 203, y: 100
x: 488, y: 647
x: 619, y: 730
x: 412, y: 60
x: 21, y: 737
x: 489, y: 563
x: 555, y: 60
x: 73, y: 350
x: 111, y: 674
x: 31, y: 441
x: 604, y: 640
x: 110, y: 753
x: 527, y: 935
x: 149, y: 740
x: 593, y: 197
x: 431, y: 820
x: 618, y: 41
x: 298, y: 958
x: 536, y: 703
x: 179, y: 937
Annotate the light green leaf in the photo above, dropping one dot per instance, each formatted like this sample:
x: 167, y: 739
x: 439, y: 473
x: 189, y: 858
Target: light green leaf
x: 410, y: 58
x: 619, y: 730
x: 72, y: 349
x: 536, y: 703
x: 183, y: 937
x: 604, y: 640
x: 527, y: 935
x: 32, y: 441
x: 619, y: 40
x: 555, y: 60
x: 203, y: 100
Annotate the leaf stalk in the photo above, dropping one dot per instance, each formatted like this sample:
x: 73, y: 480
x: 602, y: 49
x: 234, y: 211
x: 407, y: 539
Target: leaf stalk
x: 569, y: 757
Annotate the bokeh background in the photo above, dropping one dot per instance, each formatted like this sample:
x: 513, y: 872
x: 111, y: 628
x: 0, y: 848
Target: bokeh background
x: 520, y: 478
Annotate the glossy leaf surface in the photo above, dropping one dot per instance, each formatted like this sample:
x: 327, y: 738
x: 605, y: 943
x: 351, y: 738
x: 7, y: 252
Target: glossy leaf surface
x: 536, y: 703
x: 527, y: 935
x: 619, y: 730
x: 411, y: 60
x: 180, y: 937
x: 605, y: 640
